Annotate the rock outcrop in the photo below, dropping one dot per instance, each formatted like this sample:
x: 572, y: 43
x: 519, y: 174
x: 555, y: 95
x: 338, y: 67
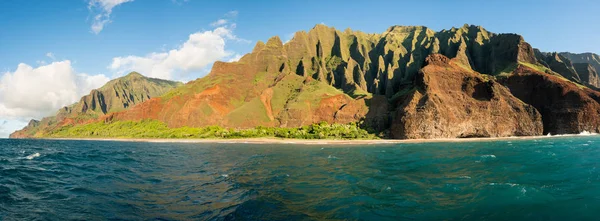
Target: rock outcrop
x: 450, y: 101
x: 566, y: 107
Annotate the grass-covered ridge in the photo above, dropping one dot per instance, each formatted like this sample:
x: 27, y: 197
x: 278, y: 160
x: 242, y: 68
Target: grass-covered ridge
x: 157, y: 129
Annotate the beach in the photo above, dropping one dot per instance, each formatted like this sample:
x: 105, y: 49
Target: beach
x: 312, y: 141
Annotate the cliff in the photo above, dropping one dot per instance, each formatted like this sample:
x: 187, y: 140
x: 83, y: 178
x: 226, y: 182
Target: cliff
x: 407, y: 82
x: 116, y: 95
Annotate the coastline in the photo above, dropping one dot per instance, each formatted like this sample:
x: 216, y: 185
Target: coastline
x: 311, y: 142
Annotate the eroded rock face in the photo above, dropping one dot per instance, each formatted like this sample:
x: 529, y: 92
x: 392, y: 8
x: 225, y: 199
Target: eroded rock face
x: 588, y: 74
x: 562, y: 66
x: 418, y: 82
x: 453, y: 102
x: 590, y: 58
x: 566, y: 108
x: 326, y: 75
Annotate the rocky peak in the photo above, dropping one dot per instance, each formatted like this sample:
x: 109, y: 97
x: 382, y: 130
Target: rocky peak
x: 274, y: 42
x: 437, y: 59
x: 33, y: 123
x: 259, y: 46
x: 134, y: 74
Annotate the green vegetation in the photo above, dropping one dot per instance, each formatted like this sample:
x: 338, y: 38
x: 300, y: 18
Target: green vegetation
x: 506, y: 71
x: 536, y: 67
x: 541, y: 68
x: 254, y: 110
x: 157, y: 129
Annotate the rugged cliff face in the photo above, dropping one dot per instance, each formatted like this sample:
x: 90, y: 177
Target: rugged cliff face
x: 588, y: 75
x: 325, y: 75
x: 411, y: 82
x: 566, y: 107
x: 452, y: 101
x: 116, y: 95
x: 559, y: 64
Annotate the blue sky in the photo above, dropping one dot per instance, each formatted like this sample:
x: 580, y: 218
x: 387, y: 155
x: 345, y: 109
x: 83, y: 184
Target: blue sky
x: 43, y: 42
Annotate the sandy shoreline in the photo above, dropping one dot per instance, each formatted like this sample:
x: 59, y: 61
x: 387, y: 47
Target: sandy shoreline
x: 302, y: 141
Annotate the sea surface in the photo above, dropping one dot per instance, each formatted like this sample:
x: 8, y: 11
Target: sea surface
x: 534, y: 179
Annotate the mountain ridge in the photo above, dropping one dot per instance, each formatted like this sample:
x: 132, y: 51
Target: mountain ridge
x: 116, y: 95
x: 350, y: 76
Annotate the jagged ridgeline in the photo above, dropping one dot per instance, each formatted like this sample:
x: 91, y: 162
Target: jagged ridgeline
x: 587, y: 66
x: 407, y: 82
x: 116, y: 95
x: 383, y: 64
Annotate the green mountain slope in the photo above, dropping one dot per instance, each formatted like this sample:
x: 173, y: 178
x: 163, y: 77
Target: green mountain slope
x: 116, y: 95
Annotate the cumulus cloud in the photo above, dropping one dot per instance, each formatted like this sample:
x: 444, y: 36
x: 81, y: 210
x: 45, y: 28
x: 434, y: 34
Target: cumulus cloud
x: 196, y: 54
x: 102, y: 10
x: 199, y: 51
x: 30, y: 92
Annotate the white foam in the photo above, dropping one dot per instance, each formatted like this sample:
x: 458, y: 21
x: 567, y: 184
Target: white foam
x: 464, y: 177
x: 523, y: 190
x: 488, y: 156
x: 582, y: 133
x: 224, y: 175
x: 587, y: 133
x: 501, y: 184
x: 32, y: 156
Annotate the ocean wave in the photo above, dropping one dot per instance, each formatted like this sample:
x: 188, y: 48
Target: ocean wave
x: 488, y: 156
x: 504, y: 184
x: 33, y: 156
x: 583, y: 133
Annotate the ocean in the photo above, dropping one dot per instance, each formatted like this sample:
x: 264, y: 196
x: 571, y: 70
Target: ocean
x: 553, y: 178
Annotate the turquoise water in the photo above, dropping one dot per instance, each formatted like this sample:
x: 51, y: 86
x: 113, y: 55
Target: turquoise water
x: 539, y: 179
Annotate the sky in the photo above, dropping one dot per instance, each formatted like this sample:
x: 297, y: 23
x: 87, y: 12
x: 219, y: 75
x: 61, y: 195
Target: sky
x: 54, y: 52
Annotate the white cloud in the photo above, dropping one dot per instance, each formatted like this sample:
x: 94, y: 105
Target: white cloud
x: 231, y: 14
x: 50, y: 55
x: 199, y: 51
x: 102, y: 10
x: 219, y: 22
x: 235, y: 58
x: 30, y: 92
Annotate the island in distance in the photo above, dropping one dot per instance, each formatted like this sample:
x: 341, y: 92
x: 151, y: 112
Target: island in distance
x: 409, y: 82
